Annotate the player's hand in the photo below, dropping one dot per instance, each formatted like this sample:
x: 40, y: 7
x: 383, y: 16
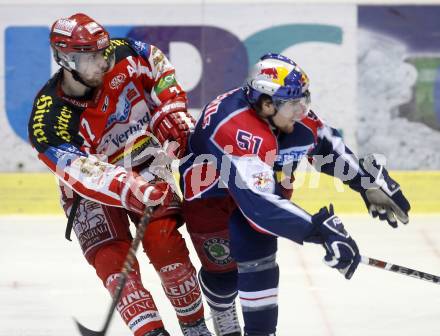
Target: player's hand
x: 172, y: 122
x: 383, y: 197
x: 341, y: 250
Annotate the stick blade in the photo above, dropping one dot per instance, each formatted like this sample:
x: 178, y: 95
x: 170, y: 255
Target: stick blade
x: 87, y: 332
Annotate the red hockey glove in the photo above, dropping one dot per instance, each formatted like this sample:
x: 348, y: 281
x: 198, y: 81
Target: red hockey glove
x: 138, y: 193
x: 172, y: 122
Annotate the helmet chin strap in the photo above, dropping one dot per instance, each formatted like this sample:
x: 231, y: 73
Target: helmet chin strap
x: 268, y: 118
x: 76, y: 76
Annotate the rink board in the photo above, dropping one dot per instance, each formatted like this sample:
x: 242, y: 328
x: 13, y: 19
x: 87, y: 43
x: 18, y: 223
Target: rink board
x: 36, y: 193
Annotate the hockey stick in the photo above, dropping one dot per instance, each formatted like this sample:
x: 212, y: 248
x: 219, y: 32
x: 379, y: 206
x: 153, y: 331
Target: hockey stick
x: 128, y: 264
x: 400, y: 269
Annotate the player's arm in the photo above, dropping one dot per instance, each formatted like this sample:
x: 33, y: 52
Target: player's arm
x: 368, y: 176
x: 252, y: 185
x: 86, y: 174
x: 170, y: 120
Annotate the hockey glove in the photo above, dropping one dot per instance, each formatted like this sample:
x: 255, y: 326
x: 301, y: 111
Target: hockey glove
x: 382, y: 195
x: 138, y: 193
x: 172, y: 122
x: 341, y: 250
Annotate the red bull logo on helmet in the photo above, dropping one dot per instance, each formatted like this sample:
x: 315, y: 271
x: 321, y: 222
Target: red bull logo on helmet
x: 304, y: 79
x: 270, y: 72
x: 276, y: 74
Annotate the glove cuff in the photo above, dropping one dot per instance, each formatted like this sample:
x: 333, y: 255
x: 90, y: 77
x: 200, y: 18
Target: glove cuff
x: 168, y: 107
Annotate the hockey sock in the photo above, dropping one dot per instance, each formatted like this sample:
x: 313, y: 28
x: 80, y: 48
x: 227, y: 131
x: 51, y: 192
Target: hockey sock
x: 220, y: 289
x: 167, y: 252
x: 136, y: 306
x: 258, y: 291
x: 179, y: 282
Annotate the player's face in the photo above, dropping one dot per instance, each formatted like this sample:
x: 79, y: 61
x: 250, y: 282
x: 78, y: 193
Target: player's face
x: 93, y: 66
x: 289, y: 112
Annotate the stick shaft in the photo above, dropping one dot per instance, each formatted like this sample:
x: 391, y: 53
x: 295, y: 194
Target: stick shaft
x: 400, y: 269
x: 126, y: 269
x: 128, y: 264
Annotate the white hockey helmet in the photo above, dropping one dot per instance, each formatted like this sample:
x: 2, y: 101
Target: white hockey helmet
x: 284, y: 81
x: 277, y: 76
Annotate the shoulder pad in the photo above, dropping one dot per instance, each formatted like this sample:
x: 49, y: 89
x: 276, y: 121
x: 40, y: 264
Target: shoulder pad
x: 141, y: 48
x: 52, y: 121
x: 313, y: 122
x: 242, y: 133
x: 123, y: 48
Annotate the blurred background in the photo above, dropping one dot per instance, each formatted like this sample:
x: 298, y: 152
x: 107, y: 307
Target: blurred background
x: 374, y: 70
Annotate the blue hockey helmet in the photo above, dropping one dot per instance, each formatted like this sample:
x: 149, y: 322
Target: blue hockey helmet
x: 279, y: 77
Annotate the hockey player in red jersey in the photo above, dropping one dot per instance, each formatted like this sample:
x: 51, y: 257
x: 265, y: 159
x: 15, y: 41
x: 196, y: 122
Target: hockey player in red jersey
x: 235, y: 208
x: 112, y: 101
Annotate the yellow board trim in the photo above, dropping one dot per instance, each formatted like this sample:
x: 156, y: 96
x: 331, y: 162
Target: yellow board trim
x: 37, y: 193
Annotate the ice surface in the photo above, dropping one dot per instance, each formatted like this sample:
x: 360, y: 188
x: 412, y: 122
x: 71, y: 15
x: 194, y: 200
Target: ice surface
x: 45, y: 281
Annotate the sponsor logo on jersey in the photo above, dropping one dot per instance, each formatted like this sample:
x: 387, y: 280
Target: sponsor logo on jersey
x: 263, y: 181
x: 121, y: 138
x: 43, y: 104
x: 86, y: 219
x: 132, y: 93
x: 90, y: 225
x: 119, y: 42
x: 62, y: 124
x: 292, y: 154
x: 71, y: 149
x: 218, y: 251
x: 140, y: 46
x: 64, y: 27
x: 158, y: 58
x: 105, y: 104
x: 117, y: 81
x: 89, y: 167
x: 164, y: 83
x: 121, y: 114
x: 136, y: 68
x: 76, y: 102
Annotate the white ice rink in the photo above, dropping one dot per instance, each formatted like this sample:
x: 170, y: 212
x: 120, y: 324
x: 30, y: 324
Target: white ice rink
x: 44, y: 282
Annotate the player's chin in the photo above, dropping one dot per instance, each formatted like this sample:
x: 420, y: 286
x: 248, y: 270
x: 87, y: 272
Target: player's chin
x: 95, y: 82
x: 287, y: 129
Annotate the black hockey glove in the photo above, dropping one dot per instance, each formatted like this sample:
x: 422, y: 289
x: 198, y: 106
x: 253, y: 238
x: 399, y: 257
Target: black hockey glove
x: 382, y: 195
x: 341, y: 250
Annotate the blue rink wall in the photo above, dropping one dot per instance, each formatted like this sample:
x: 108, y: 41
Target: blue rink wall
x: 374, y: 69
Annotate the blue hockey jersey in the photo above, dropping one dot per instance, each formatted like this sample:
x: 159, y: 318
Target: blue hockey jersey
x: 233, y: 152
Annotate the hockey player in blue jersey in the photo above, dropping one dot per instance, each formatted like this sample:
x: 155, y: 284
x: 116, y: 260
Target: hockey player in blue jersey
x: 235, y: 208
